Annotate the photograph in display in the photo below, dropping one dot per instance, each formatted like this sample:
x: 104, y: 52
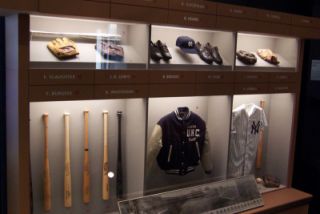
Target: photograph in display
x: 230, y: 196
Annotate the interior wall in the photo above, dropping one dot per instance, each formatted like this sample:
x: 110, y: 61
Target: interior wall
x: 56, y: 111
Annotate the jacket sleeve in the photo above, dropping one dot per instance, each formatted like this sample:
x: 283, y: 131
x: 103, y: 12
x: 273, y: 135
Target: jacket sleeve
x: 153, y: 147
x: 206, y: 160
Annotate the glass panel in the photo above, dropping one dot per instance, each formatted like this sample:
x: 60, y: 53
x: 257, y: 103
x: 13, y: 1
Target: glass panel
x: 132, y: 147
x: 175, y: 144
x: 90, y: 44
x: 267, y: 53
x: 186, y: 54
x: 260, y: 137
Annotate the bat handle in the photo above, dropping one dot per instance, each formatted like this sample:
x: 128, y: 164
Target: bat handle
x: 47, y: 179
x: 67, y: 172
x: 105, y: 178
x: 86, y: 172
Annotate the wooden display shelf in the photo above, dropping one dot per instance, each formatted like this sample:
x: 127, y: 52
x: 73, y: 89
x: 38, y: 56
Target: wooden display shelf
x: 90, y: 8
x: 138, y: 13
x: 171, y: 90
x: 249, y: 77
x: 169, y: 77
x: 121, y: 77
x: 214, y: 89
x: 284, y: 201
x: 118, y: 91
x: 215, y: 77
x: 191, y: 19
x: 283, y: 88
x: 251, y: 88
x: 199, y: 6
x: 273, y: 16
x: 146, y: 3
x: 60, y: 93
x: 23, y: 5
x: 60, y: 77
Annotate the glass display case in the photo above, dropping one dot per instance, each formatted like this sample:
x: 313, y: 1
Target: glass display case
x: 66, y: 43
x: 260, y: 137
x: 258, y: 52
x: 130, y: 132
x: 190, y: 49
x: 213, y: 112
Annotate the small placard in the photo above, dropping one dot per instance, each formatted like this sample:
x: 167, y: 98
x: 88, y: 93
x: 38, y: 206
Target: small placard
x: 315, y: 70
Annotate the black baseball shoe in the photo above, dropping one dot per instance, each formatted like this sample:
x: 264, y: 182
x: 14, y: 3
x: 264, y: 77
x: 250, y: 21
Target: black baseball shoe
x: 204, y: 53
x: 164, y: 50
x: 214, y: 51
x: 155, y: 53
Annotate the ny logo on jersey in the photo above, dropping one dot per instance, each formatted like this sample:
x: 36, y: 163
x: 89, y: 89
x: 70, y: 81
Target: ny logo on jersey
x: 255, y: 127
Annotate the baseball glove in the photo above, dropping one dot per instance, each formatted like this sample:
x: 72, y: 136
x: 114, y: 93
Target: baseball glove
x: 246, y: 57
x: 268, y: 55
x: 63, y: 48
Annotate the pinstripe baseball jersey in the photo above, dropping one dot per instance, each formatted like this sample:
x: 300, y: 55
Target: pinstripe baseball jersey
x: 179, y: 142
x: 247, y: 121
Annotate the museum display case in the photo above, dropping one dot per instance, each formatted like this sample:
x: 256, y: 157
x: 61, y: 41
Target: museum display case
x: 86, y: 82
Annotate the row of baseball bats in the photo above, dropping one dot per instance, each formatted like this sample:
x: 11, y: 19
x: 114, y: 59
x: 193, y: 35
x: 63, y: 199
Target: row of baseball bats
x: 86, y: 170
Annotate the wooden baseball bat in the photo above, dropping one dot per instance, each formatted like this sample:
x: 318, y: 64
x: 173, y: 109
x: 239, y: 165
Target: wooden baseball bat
x: 260, y: 145
x: 47, y: 179
x: 67, y: 169
x: 119, y: 161
x: 86, y: 172
x: 105, y: 178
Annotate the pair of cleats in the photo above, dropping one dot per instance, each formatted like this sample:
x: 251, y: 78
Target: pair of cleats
x: 208, y: 53
x: 159, y: 51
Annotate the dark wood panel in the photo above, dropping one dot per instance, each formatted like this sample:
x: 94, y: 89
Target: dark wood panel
x: 61, y: 77
x: 236, y: 24
x: 236, y: 11
x: 305, y: 32
x: 116, y: 91
x: 199, y: 6
x: 171, y: 90
x: 251, y: 88
x: 214, y: 89
x: 252, y: 77
x: 273, y: 16
x: 55, y: 93
x: 30, y: 5
x: 172, y: 77
x: 214, y: 77
x: 192, y: 19
x: 283, y: 88
x: 284, y: 77
x: 274, y: 28
x: 76, y: 7
x: 135, y: 13
x: 149, y: 3
x: 305, y: 21
x: 121, y: 77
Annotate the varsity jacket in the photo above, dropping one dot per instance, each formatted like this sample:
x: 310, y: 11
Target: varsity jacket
x: 179, y: 143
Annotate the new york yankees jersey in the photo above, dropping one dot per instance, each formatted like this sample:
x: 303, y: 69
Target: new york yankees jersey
x: 179, y: 143
x: 247, y: 121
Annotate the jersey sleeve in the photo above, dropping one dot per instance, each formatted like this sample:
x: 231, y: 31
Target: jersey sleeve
x: 154, y: 146
x: 206, y: 160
